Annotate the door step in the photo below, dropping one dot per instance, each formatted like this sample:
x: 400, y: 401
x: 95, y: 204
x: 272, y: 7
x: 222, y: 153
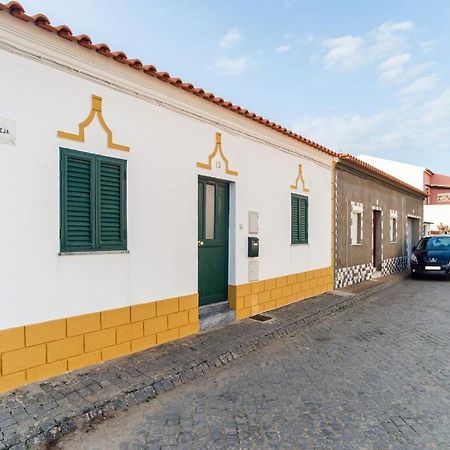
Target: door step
x: 215, y: 316
x: 376, y: 274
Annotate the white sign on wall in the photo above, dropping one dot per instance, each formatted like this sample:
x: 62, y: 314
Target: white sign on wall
x: 443, y: 197
x: 7, y: 131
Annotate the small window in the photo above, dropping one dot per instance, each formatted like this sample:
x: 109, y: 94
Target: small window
x: 299, y: 219
x: 357, y: 228
x: 393, y: 229
x: 93, y: 202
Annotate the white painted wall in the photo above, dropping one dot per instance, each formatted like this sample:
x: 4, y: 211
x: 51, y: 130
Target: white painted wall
x: 408, y: 173
x: 47, y: 86
x: 436, y: 214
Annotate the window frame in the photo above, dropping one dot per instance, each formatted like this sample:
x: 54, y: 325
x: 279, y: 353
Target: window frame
x: 393, y: 230
x: 359, y: 228
x: 356, y: 219
x: 301, y: 198
x: 95, y: 186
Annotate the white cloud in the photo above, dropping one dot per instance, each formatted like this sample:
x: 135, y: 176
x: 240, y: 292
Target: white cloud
x: 417, y: 69
x: 307, y: 38
x: 349, y: 53
x: 345, y: 53
x: 231, y: 38
x: 391, y: 27
x: 284, y: 48
x: 420, y: 118
x: 390, y: 38
x: 427, y: 46
x: 232, y: 66
x: 436, y: 112
x: 340, y: 133
x: 404, y: 133
x: 420, y: 86
x: 393, y: 67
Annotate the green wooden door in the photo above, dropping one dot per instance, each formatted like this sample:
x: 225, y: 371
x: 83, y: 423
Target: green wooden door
x: 213, y: 201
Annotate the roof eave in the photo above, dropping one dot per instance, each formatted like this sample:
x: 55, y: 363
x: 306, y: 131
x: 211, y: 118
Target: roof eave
x: 355, y: 162
x: 63, y: 31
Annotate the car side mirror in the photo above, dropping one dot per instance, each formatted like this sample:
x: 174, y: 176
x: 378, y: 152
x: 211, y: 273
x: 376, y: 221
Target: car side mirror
x: 414, y: 248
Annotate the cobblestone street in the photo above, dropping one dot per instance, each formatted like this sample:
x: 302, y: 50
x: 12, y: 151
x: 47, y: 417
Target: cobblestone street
x: 374, y: 376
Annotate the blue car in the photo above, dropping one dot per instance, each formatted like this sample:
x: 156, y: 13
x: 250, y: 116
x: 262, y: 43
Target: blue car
x: 431, y: 256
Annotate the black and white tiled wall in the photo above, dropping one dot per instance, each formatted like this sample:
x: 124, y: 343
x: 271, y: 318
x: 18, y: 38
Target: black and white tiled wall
x: 394, y: 265
x: 346, y: 276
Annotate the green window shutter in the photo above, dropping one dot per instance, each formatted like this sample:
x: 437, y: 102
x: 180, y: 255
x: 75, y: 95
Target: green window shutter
x: 93, y: 202
x: 303, y: 220
x: 77, y: 203
x: 299, y: 219
x: 295, y: 231
x: 111, y: 194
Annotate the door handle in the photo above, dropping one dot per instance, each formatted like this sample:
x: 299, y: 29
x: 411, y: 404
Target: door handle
x: 200, y: 243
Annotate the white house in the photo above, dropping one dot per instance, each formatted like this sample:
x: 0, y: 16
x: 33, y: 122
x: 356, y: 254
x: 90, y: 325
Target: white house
x: 129, y: 198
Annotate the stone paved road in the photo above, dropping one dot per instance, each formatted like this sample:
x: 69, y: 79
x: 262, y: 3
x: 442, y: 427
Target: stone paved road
x: 375, y: 376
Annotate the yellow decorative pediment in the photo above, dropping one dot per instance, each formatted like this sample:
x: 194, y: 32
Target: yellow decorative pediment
x: 96, y: 110
x: 217, y: 151
x: 301, y: 179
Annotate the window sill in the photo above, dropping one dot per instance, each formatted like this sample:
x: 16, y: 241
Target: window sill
x: 358, y: 244
x: 89, y: 252
x: 299, y: 243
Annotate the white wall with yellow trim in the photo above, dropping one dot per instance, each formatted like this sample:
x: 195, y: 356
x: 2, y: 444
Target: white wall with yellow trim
x: 47, y: 89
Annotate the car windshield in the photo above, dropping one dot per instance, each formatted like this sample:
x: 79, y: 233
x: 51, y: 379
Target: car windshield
x: 435, y: 243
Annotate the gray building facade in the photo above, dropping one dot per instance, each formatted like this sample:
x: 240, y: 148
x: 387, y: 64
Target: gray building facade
x: 378, y: 219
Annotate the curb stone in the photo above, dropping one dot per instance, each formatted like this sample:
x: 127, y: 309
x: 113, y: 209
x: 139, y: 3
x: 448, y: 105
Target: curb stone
x: 48, y: 430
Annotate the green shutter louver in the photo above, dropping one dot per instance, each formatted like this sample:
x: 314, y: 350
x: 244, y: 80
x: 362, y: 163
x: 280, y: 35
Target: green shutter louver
x: 303, y: 220
x: 295, y: 235
x: 77, y: 188
x: 93, y: 202
x: 299, y: 219
x: 111, y: 203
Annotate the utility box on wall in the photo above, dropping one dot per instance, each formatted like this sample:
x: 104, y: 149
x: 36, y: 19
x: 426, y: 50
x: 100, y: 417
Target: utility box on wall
x: 253, y: 247
x: 253, y: 270
x: 253, y: 222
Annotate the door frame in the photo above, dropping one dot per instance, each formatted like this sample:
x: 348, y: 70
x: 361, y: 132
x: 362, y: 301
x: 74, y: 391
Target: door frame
x: 377, y: 238
x: 412, y: 227
x: 228, y: 241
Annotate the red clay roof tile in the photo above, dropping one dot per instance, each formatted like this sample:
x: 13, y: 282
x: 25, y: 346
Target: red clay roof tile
x: 15, y: 8
x: 42, y: 21
x: 64, y: 31
x: 84, y: 40
x: 119, y: 56
x: 103, y: 49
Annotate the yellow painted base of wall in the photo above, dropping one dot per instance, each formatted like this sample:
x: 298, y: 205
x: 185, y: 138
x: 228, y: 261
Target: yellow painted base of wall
x: 39, y: 351
x: 35, y: 352
x: 253, y: 298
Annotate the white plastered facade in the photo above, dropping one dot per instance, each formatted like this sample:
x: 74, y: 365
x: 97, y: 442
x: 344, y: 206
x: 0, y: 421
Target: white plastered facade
x: 48, y: 86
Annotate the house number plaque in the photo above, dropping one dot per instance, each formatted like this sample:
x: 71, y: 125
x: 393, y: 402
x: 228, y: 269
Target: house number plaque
x: 7, y: 131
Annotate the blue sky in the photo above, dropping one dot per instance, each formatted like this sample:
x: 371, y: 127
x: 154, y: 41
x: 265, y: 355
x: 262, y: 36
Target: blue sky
x: 359, y: 76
